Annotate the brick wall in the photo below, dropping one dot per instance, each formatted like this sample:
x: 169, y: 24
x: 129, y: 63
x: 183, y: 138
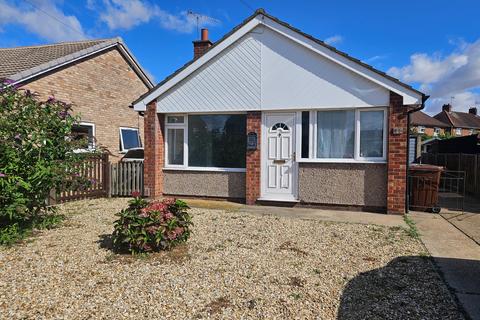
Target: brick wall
x: 154, y: 151
x: 101, y: 88
x: 254, y: 122
x: 200, y: 47
x: 397, y: 155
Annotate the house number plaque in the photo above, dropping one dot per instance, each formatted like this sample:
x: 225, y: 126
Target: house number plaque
x: 251, y: 141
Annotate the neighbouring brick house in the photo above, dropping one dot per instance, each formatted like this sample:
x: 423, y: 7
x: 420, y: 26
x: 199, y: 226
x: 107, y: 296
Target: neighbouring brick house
x: 422, y: 123
x: 459, y: 124
x: 99, y: 77
x: 271, y: 114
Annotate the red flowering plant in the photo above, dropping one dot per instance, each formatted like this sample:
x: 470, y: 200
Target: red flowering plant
x: 151, y: 226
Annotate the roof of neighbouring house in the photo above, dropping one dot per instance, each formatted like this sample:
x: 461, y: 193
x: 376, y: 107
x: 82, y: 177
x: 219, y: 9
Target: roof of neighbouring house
x: 459, y: 119
x: 22, y: 63
x: 420, y: 118
x: 147, y: 95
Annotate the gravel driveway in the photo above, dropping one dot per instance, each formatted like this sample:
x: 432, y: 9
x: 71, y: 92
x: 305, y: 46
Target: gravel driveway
x: 235, y: 265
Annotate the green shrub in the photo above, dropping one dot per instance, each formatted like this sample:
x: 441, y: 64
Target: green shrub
x: 12, y: 232
x: 146, y: 227
x: 36, y: 156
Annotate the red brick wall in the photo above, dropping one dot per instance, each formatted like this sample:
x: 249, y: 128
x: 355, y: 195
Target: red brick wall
x: 200, y: 47
x: 101, y: 88
x: 254, y: 123
x: 154, y: 151
x: 397, y: 155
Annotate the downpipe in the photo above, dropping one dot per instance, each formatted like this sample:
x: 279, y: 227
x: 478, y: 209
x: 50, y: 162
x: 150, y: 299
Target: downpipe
x: 407, y: 188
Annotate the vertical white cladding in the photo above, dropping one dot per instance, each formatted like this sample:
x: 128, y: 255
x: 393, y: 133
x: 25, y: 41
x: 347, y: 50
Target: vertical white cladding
x: 264, y: 70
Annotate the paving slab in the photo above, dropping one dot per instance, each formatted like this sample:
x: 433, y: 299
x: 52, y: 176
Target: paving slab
x: 304, y: 213
x: 329, y: 215
x: 457, y: 257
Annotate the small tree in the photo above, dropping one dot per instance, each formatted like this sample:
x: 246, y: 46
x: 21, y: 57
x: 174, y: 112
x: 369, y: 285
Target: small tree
x: 36, y: 151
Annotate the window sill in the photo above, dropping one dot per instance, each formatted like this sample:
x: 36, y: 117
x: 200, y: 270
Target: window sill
x: 212, y: 169
x: 340, y: 161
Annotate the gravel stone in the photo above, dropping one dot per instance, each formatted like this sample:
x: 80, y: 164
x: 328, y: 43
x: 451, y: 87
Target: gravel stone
x: 235, y: 265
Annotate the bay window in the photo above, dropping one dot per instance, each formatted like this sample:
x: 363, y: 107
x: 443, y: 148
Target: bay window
x: 343, y: 135
x: 206, y: 141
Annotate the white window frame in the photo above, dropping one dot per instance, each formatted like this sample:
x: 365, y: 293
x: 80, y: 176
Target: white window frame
x: 93, y: 146
x: 458, y: 131
x: 312, y: 152
x: 421, y: 129
x: 122, y: 149
x: 436, y: 131
x: 184, y: 126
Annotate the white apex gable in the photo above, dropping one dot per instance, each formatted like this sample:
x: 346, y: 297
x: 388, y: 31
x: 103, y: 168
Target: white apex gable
x: 265, y: 65
x: 228, y: 82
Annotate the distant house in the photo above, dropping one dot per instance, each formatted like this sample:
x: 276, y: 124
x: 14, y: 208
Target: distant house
x: 460, y: 123
x: 422, y: 123
x: 271, y: 114
x: 99, y: 77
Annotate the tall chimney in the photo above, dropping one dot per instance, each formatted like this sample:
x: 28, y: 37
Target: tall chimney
x: 201, y: 46
x: 473, y: 110
x: 447, y: 108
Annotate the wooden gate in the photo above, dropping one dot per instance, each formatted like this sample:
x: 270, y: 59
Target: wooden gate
x: 95, y: 169
x: 125, y: 178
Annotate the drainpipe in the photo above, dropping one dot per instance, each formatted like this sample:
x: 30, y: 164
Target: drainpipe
x: 422, y: 106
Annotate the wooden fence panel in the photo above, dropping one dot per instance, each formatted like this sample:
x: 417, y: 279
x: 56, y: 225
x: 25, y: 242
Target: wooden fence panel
x: 125, y: 178
x: 470, y: 163
x: 91, y: 169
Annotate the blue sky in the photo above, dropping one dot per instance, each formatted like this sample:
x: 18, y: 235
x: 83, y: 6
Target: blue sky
x: 431, y: 44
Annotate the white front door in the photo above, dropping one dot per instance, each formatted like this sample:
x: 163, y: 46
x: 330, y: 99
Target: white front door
x: 279, y: 170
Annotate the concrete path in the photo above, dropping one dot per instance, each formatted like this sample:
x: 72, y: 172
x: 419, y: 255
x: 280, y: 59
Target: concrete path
x: 329, y: 215
x: 456, y: 255
x: 305, y: 213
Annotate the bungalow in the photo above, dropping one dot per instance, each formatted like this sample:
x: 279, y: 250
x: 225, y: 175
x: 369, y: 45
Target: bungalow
x: 100, y: 78
x: 271, y: 114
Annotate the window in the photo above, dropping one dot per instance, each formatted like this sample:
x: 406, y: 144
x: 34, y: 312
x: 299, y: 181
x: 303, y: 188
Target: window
x: 335, y: 134
x: 206, y: 141
x: 458, y: 131
x: 343, y: 135
x: 129, y: 139
x: 371, y: 134
x: 421, y: 129
x: 305, y: 134
x: 436, y: 132
x: 175, y: 152
x: 84, y: 135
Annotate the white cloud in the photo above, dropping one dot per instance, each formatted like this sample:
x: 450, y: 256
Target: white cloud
x: 455, y: 75
x: 44, y: 19
x: 126, y: 14
x: 461, y: 101
x: 375, y: 58
x: 336, y: 39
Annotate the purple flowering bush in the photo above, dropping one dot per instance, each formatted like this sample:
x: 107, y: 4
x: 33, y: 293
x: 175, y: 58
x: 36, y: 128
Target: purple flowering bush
x: 36, y: 153
x: 151, y: 226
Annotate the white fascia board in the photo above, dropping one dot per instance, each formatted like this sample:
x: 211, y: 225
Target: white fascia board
x: 141, y: 105
x: 415, y: 97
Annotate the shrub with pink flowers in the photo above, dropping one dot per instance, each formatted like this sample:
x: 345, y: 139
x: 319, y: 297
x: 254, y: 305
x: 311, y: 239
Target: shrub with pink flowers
x: 151, y: 226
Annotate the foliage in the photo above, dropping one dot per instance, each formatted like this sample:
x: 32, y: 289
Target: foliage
x: 36, y: 156
x: 36, y: 151
x: 11, y: 232
x: 151, y: 226
x: 412, y: 227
